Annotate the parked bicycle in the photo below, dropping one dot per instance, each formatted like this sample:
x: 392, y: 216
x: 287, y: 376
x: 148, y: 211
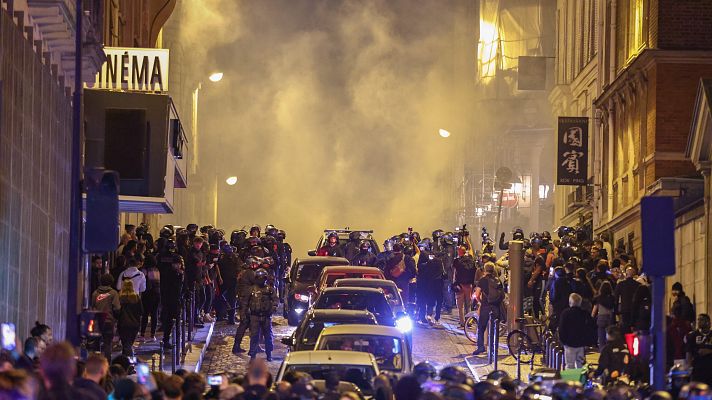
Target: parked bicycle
x: 526, y: 341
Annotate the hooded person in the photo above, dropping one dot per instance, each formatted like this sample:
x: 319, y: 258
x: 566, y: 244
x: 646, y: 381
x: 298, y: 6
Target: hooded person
x: 106, y: 300
x: 365, y: 256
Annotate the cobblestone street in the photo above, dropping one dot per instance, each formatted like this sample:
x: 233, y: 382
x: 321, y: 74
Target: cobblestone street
x: 441, y: 346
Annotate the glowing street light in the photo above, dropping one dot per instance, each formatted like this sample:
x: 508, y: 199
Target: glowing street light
x: 231, y: 180
x: 444, y: 133
x: 216, y: 77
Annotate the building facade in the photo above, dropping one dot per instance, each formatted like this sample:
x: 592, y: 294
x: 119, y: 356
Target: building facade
x: 633, y: 67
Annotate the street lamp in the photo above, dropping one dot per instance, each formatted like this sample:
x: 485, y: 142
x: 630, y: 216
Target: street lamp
x: 231, y: 180
x: 216, y: 77
x: 444, y: 133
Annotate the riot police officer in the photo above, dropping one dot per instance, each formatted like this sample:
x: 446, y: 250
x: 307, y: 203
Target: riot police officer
x: 230, y: 265
x: 364, y: 257
x: 261, y: 305
x: 352, y: 247
x: 331, y: 248
x: 245, y: 280
x: 171, y: 267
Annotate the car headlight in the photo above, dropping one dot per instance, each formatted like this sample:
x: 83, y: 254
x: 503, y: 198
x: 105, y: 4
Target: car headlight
x: 299, y: 310
x: 301, y: 297
x: 404, y: 324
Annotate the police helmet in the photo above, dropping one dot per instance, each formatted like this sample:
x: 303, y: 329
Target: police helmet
x: 415, y: 236
x: 484, y: 388
x: 192, y: 228
x: 458, y: 392
x: 438, y: 233
x: 254, y: 241
x: 517, y: 234
x: 252, y: 261
x: 255, y: 228
x: 354, y: 236
x: 166, y: 232
x: 365, y: 245
x: 453, y: 374
x: 425, y: 368
x: 170, y: 245
x: 566, y: 390
x: 449, y: 238
x: 498, y: 375
x: 268, y: 261
x: 270, y: 230
x: 281, y: 235
x: 332, y: 234
x: 261, y: 275
x: 660, y: 395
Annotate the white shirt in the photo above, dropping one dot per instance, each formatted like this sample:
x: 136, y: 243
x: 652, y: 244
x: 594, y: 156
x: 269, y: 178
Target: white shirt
x: 136, y: 276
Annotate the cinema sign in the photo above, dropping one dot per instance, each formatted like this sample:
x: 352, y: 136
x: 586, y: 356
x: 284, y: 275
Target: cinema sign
x: 133, y: 69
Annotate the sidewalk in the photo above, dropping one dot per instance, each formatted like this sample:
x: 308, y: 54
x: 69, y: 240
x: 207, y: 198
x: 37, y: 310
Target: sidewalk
x: 149, y: 351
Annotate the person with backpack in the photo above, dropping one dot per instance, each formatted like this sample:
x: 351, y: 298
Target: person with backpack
x: 132, y: 273
x: 615, y: 359
x: 490, y: 294
x: 464, y: 278
x: 262, y: 304
x: 151, y: 299
x: 130, y: 317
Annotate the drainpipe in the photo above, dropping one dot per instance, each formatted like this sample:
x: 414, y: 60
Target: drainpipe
x: 612, y: 58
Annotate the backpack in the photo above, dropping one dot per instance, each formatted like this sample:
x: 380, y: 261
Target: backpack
x: 261, y: 302
x: 495, y: 291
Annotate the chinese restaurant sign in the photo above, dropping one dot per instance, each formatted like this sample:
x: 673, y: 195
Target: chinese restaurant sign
x: 134, y: 69
x: 572, y: 157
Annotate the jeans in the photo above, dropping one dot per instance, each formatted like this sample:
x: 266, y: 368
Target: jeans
x: 435, y: 301
x: 209, y: 297
x: 602, y: 322
x: 464, y: 301
x: 574, y: 357
x: 260, y: 327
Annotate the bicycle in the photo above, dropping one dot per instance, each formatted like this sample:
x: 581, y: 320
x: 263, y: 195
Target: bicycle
x: 470, y: 328
x: 521, y: 344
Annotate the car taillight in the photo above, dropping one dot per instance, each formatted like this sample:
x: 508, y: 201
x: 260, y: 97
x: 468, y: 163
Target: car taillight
x: 301, y: 297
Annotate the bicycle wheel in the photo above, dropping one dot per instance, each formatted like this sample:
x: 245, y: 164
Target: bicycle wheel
x: 471, y: 329
x: 520, y: 346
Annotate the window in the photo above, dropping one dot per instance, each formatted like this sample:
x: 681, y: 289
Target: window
x: 631, y: 30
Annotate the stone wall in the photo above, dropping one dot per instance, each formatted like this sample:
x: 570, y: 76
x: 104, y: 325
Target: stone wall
x: 35, y: 146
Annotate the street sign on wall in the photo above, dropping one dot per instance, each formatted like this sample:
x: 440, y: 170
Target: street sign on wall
x: 572, y: 151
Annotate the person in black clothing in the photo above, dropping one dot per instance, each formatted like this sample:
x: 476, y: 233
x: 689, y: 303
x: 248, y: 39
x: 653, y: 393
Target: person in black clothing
x: 331, y: 248
x: 171, y: 267
x: 400, y: 268
x: 229, y: 264
x: 151, y: 299
x: 604, y: 311
x: 681, y: 301
x: 534, y: 284
x: 582, y: 286
x: 58, y: 368
x: 245, y: 280
x: 352, y: 246
x: 576, y: 331
x: 642, y: 307
x: 601, y: 274
x: 429, y: 284
x: 623, y: 294
x: 262, y: 304
x: 194, y: 277
x: 97, y: 270
x: 129, y: 317
x: 92, y: 380
x: 559, y: 296
x: 364, y: 257
x: 615, y: 359
x: 699, y: 350
x: 490, y: 294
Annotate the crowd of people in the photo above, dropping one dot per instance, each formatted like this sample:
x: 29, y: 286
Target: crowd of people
x: 591, y: 296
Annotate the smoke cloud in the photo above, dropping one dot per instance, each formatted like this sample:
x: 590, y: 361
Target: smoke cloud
x: 329, y: 111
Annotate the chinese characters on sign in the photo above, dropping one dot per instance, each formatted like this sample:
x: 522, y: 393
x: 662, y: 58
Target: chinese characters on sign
x: 572, y: 157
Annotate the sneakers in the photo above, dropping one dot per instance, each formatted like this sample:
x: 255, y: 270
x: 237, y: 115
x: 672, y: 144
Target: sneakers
x: 269, y: 357
x: 478, y: 352
x: 424, y: 324
x: 435, y: 323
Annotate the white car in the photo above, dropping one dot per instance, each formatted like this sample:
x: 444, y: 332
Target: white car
x: 352, y: 366
x: 389, y: 287
x: 387, y: 344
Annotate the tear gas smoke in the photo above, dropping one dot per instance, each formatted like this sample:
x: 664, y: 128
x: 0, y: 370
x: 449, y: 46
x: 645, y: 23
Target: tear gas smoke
x: 328, y: 112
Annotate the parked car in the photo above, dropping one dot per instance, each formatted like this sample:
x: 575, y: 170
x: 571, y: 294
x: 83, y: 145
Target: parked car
x: 387, y: 286
x: 301, y: 280
x: 344, y: 238
x: 352, y: 366
x: 306, y: 334
x: 387, y: 344
x: 330, y: 274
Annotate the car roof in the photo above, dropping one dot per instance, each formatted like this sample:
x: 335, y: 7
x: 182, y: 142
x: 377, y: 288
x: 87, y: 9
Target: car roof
x: 361, y: 282
x: 329, y: 314
x: 351, y: 289
x: 351, y: 269
x: 329, y: 357
x: 322, y: 260
x: 363, y: 329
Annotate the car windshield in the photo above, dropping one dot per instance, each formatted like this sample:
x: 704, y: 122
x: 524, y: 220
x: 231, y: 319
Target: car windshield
x: 375, y: 303
x: 309, y: 272
x: 314, y: 328
x: 360, y: 375
x: 386, y: 349
x: 392, y: 295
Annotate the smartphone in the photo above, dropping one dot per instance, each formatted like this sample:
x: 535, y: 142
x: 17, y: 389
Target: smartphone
x: 7, y: 335
x: 142, y: 373
x: 433, y: 387
x: 431, y: 257
x: 215, y: 380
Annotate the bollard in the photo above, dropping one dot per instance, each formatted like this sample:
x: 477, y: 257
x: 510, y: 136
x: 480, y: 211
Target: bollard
x: 153, y: 362
x: 519, y: 364
x: 174, y: 351
x: 531, y: 362
x: 191, y: 321
x: 552, y: 354
x: 161, y: 356
x: 545, y: 349
x: 560, y: 360
x: 496, y: 343
x: 490, y: 338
